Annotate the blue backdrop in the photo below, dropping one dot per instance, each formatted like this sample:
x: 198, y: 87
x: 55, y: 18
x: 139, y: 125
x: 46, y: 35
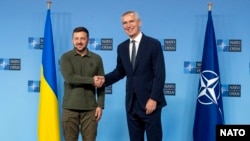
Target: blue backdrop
x: 184, y: 21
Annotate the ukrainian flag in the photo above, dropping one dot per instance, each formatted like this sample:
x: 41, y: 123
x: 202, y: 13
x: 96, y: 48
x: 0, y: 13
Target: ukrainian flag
x: 48, y: 117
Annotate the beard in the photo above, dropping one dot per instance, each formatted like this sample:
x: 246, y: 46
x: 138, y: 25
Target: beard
x: 80, y: 48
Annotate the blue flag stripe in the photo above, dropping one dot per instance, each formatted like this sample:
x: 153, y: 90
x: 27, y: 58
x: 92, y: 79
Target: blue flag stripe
x: 48, y: 56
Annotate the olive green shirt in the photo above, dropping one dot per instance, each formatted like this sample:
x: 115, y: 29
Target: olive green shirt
x: 78, y: 72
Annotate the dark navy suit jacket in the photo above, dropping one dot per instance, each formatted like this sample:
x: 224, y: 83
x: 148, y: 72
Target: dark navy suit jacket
x: 148, y: 77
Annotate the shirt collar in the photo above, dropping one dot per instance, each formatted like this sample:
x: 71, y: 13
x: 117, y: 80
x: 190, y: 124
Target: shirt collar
x: 88, y: 52
x: 137, y: 38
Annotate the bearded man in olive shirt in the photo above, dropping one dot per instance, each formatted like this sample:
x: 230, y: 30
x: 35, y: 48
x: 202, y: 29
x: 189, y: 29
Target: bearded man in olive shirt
x: 83, y: 99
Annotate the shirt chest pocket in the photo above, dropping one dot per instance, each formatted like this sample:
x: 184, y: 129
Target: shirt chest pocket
x: 89, y: 68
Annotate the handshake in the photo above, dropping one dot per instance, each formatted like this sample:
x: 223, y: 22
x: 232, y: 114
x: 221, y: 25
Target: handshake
x: 99, y: 81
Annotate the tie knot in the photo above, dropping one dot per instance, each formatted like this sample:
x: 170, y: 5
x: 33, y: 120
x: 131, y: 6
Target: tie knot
x: 133, y: 41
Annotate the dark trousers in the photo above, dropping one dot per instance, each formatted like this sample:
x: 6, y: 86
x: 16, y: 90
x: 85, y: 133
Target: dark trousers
x: 139, y: 123
x: 79, y: 120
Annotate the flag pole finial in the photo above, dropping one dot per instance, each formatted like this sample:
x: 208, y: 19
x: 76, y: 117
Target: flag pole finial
x: 49, y: 3
x: 210, y: 6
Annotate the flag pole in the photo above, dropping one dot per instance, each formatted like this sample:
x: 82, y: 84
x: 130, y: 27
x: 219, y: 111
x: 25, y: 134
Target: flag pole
x: 210, y: 6
x: 49, y: 3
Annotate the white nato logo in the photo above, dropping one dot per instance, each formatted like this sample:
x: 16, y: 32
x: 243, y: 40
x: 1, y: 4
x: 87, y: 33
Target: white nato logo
x: 3, y: 64
x: 190, y: 67
x: 33, y: 43
x: 209, y: 81
x: 95, y: 44
x: 33, y: 86
x: 222, y: 45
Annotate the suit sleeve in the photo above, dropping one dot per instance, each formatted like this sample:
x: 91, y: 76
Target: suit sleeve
x: 159, y: 72
x: 117, y: 74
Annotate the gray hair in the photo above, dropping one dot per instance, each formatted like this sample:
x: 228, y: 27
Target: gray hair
x: 131, y: 12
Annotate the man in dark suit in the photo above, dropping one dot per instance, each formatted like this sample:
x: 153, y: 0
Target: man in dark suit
x: 145, y: 81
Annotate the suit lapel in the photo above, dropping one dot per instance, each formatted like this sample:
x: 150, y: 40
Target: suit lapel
x: 126, y: 54
x: 139, y: 54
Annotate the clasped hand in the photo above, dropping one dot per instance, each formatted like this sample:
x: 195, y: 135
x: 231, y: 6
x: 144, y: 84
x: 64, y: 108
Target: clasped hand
x: 99, y: 81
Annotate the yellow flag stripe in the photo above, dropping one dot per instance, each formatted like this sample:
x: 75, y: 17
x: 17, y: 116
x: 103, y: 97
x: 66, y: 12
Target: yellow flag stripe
x: 48, y: 120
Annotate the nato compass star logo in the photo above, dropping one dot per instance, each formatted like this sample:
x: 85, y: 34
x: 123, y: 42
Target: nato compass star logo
x: 95, y: 44
x: 33, y: 86
x: 222, y: 45
x: 209, y: 91
x: 35, y: 43
x: 190, y: 67
x: 4, y: 64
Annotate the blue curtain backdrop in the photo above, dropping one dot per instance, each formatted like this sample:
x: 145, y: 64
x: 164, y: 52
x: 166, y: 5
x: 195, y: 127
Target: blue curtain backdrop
x: 178, y: 24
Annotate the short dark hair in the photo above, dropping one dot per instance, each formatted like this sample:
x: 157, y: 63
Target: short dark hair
x: 81, y: 29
